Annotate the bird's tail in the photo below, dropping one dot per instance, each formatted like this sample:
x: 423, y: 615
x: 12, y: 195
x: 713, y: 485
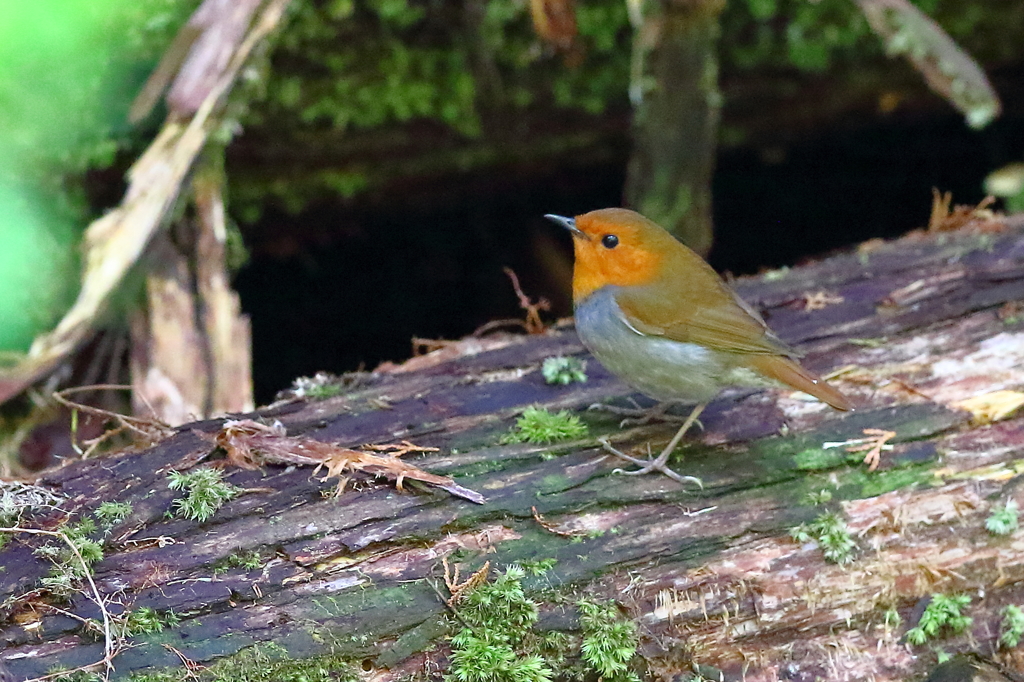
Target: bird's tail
x: 792, y: 374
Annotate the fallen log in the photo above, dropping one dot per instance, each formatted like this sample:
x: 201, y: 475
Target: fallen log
x: 925, y: 334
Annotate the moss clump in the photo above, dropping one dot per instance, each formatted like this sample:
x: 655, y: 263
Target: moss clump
x: 67, y: 567
x: 1012, y: 627
x: 206, y: 492
x: 943, y: 613
x: 562, y: 371
x: 822, y: 496
x: 250, y: 560
x: 609, y: 641
x: 497, y: 642
x: 831, y: 534
x: 1002, y: 520
x: 143, y: 621
x: 537, y: 425
x: 109, y: 514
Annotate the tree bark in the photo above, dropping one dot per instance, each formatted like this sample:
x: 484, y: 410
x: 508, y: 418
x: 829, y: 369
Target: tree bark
x: 675, y: 122
x: 912, y: 329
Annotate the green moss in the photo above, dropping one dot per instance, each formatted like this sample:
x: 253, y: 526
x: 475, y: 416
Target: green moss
x: 497, y: 642
x: 206, y: 492
x: 263, y: 663
x: 561, y: 370
x: 109, y: 514
x: 830, y: 532
x: 817, y: 459
x: 944, y: 613
x: 609, y: 641
x: 250, y: 560
x: 1012, y: 627
x: 1003, y: 520
x: 143, y: 621
x: 358, y: 65
x: 324, y: 392
x: 891, y: 619
x: 538, y: 567
x: 822, y: 496
x: 320, y: 386
x: 436, y: 86
x: 67, y: 568
x: 537, y: 425
x: 862, y: 483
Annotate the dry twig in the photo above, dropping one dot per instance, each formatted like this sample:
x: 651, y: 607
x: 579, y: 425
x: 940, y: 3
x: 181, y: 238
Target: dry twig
x: 532, y: 324
x: 459, y: 590
x: 192, y: 668
x: 150, y: 431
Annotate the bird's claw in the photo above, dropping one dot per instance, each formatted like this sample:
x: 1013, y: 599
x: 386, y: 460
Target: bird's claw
x: 654, y: 465
x: 647, y: 465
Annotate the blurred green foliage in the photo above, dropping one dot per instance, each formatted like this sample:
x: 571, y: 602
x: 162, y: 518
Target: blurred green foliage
x: 345, y: 66
x: 68, y: 72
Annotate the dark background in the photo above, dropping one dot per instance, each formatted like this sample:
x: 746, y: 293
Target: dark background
x: 355, y: 283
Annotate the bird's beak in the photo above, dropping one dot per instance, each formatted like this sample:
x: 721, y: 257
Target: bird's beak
x: 569, y: 224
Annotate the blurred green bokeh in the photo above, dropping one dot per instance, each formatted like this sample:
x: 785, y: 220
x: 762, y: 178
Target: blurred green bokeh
x: 68, y: 72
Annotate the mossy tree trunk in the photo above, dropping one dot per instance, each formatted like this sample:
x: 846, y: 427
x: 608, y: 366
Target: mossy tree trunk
x: 916, y: 331
x: 675, y: 124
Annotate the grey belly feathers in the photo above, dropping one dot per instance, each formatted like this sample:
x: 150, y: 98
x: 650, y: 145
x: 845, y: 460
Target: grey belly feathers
x: 658, y: 367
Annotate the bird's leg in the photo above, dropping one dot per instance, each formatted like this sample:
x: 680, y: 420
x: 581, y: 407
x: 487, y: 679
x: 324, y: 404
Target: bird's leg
x: 638, y: 416
x: 659, y: 464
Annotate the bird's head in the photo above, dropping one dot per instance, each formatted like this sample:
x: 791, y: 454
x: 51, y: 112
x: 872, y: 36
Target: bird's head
x: 615, y: 246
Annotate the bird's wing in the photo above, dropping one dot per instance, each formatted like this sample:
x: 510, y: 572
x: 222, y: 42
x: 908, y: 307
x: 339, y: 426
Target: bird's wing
x: 723, y: 323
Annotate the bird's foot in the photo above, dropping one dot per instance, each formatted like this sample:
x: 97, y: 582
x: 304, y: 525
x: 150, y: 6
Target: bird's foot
x: 641, y: 416
x: 648, y: 465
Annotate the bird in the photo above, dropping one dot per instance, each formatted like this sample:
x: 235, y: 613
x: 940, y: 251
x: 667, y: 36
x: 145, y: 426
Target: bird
x: 657, y: 316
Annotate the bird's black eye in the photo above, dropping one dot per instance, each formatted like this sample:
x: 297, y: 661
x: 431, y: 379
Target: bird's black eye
x: 609, y: 241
